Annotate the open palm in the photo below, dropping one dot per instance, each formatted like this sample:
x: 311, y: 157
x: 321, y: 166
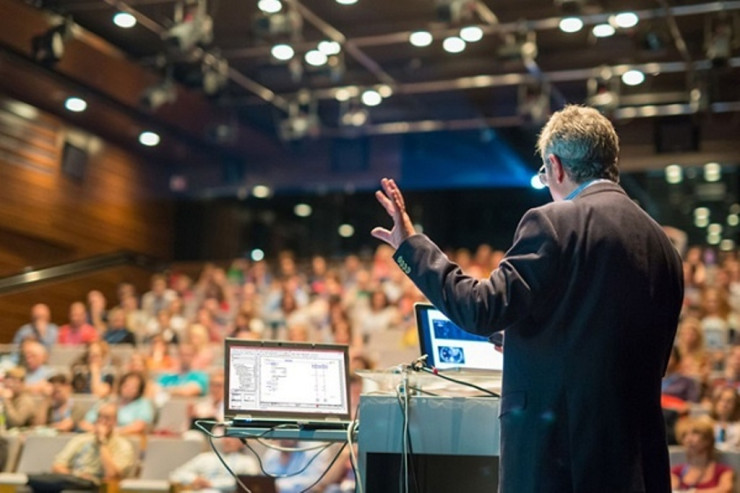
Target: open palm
x: 391, y: 199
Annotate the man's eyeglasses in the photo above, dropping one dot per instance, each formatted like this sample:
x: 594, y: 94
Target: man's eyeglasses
x: 541, y: 174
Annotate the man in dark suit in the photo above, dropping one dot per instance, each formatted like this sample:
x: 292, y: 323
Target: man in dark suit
x: 589, y: 295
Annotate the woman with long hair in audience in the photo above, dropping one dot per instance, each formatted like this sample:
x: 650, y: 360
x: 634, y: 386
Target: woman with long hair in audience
x: 726, y: 414
x: 135, y: 411
x: 695, y: 360
x: 717, y: 320
x: 159, y: 358
x: 204, y: 356
x: 701, y: 471
x: 94, y: 371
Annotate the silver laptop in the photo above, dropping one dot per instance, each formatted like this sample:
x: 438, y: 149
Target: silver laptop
x: 273, y: 383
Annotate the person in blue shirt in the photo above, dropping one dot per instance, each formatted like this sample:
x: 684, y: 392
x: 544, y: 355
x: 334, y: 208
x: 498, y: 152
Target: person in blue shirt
x: 135, y: 412
x: 187, y: 382
x: 40, y: 327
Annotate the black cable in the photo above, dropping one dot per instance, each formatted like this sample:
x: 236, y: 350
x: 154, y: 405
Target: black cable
x: 300, y: 471
x: 411, y: 448
x: 434, y: 371
x: 336, y: 456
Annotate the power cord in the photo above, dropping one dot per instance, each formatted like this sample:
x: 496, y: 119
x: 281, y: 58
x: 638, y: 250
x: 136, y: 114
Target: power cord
x: 435, y: 372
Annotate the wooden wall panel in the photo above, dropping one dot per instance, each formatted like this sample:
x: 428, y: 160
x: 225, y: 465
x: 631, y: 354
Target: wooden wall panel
x: 50, y: 217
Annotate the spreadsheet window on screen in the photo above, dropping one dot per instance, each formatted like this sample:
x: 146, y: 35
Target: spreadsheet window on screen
x: 266, y: 379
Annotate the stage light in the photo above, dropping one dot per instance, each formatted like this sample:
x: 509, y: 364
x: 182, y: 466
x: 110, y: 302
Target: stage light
x: 342, y: 94
x: 48, y: 47
x: 633, y: 77
x: 603, y: 30
x: 124, y: 20
x: 453, y: 44
x: 727, y: 245
x: 329, y: 47
x: 149, y: 139
x: 282, y: 52
x: 315, y: 58
x: 261, y: 191
x: 713, y: 239
x: 733, y: 220
x: 712, y: 172
x: 158, y: 95
x: 420, y: 39
x: 714, y: 229
x: 385, y: 90
x: 192, y: 27
x: 257, y: 255
x: 371, y: 97
x: 346, y: 230
x: 471, y: 34
x: 346, y: 2
x: 673, y: 174
x: 269, y: 6
x: 626, y: 20
x: 302, y: 210
x: 571, y: 24
x: 75, y: 104
x: 354, y: 117
x: 536, y: 183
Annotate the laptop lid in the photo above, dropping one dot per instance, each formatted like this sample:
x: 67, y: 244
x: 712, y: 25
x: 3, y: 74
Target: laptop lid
x: 286, y: 382
x: 447, y: 346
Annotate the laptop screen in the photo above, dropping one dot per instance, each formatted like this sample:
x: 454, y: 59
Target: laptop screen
x: 286, y: 380
x: 448, y: 346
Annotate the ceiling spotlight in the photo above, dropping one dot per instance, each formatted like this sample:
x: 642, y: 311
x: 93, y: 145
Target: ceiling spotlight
x: 269, y: 6
x: 192, y: 27
x: 733, y: 220
x: 625, y: 20
x: 124, y: 20
x: 471, y: 34
x: 420, y: 38
x: 385, y: 90
x: 282, y: 52
x: 75, y: 104
x: 149, y: 139
x: 371, y: 97
x: 536, y: 183
x: 49, y: 47
x: 727, y: 245
x: 302, y: 210
x: 346, y: 2
x: 346, y: 230
x: 159, y: 95
x: 571, y: 24
x: 257, y: 255
x: 633, y: 77
x: 344, y: 93
x: 673, y: 174
x: 315, y: 58
x: 261, y: 191
x: 329, y: 47
x: 453, y: 44
x: 354, y: 117
x: 712, y: 172
x: 603, y: 30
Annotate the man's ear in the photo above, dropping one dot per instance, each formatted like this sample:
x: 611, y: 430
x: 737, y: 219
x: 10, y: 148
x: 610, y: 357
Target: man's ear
x: 557, y: 171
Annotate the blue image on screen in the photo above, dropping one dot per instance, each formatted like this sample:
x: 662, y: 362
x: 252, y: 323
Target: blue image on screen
x: 451, y: 354
x: 445, y: 329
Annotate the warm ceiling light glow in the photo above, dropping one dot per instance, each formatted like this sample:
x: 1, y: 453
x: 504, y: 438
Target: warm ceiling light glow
x: 346, y: 2
x: 714, y: 229
x: 420, y: 38
x: 149, y: 139
x: 385, y: 90
x: 371, y: 97
x: 713, y: 239
x: 733, y: 220
x: 625, y: 20
x: 315, y: 58
x: 75, y: 104
x: 302, y: 210
x: 673, y: 174
x: 727, y: 245
x: 282, y: 52
x: 269, y: 6
x: 701, y: 212
x: 124, y: 20
x: 712, y: 172
x: 329, y: 47
x: 346, y: 230
x: 342, y: 94
x: 471, y: 34
x: 570, y: 24
x: 603, y: 30
x: 633, y: 77
x: 453, y: 44
x: 261, y: 191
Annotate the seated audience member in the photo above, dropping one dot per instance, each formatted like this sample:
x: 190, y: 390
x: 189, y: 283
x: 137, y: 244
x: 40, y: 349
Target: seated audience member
x: 381, y: 316
x: 726, y: 414
x: 20, y: 408
x: 286, y: 466
x: 187, y: 382
x: 731, y: 375
x: 161, y: 326
x: 77, y: 331
x: 40, y: 327
x: 135, y: 412
x: 211, y: 406
x: 198, y: 338
x: 136, y: 319
x: 204, y: 472
x: 701, y: 471
x: 93, y: 372
x: 59, y: 411
x: 158, y: 298
x: 695, y: 361
x: 159, y: 359
x: 675, y: 383
x: 96, y: 456
x: 117, y: 332
x: 35, y: 356
x: 96, y: 313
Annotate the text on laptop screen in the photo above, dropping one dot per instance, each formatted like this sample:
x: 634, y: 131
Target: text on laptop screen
x: 287, y: 380
x: 448, y: 346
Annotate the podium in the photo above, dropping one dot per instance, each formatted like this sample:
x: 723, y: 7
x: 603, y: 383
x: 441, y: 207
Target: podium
x: 454, y: 443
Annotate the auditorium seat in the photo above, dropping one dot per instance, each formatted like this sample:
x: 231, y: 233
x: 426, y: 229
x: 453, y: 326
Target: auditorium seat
x: 162, y: 456
x: 36, y: 456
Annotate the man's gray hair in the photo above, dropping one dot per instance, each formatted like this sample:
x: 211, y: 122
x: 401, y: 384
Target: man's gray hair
x: 584, y: 140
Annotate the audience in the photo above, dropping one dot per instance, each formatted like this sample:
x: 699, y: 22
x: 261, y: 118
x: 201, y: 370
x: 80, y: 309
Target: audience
x: 701, y: 471
x: 117, y: 331
x: 60, y: 404
x: 726, y: 414
x: 187, y: 382
x: 35, y: 356
x: 19, y: 406
x: 40, y: 328
x: 93, y: 372
x: 135, y: 411
x: 78, y: 331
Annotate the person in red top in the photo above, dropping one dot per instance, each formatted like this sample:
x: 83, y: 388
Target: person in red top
x: 77, y: 331
x: 701, y: 471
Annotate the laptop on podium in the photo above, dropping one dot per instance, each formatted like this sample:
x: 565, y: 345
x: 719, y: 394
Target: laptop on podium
x: 275, y: 383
